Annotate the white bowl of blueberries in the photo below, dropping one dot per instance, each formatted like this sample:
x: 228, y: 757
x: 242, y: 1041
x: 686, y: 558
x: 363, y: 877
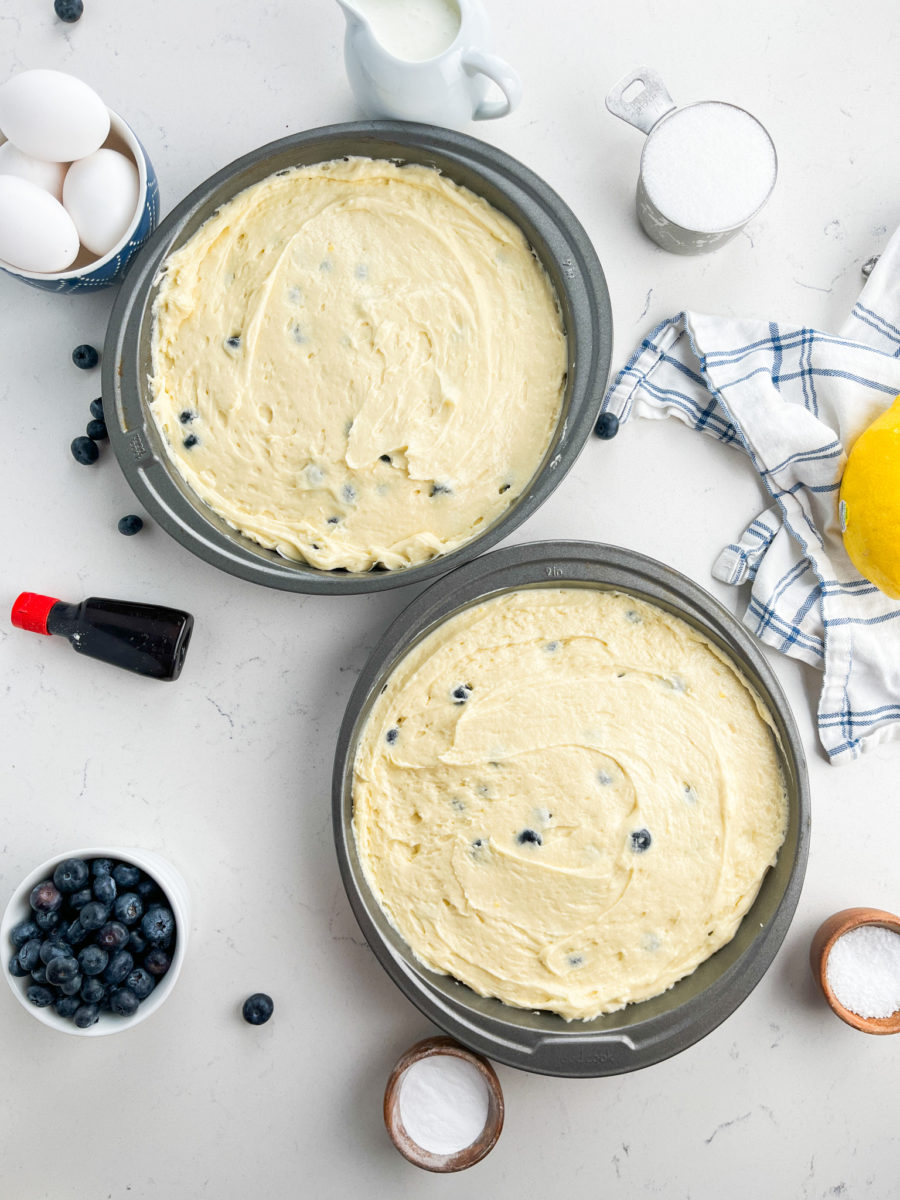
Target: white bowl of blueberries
x: 96, y: 939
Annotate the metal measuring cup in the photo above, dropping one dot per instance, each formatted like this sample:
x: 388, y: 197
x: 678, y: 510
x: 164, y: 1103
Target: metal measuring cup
x: 648, y: 109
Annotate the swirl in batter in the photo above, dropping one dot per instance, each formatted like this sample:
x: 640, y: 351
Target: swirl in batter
x: 567, y: 799
x: 357, y: 363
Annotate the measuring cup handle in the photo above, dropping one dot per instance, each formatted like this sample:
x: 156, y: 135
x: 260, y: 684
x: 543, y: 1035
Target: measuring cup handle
x: 499, y: 72
x: 647, y: 106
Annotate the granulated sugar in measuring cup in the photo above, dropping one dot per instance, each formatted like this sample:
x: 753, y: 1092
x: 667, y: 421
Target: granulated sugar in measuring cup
x: 706, y: 169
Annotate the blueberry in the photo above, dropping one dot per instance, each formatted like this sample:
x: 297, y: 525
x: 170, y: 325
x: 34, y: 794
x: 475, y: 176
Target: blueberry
x: 78, y: 900
x: 69, y: 11
x: 85, y: 357
x: 46, y: 897
x: 93, y: 960
x: 112, y: 936
x: 258, y: 1008
x: 441, y: 489
x: 391, y: 736
x: 101, y: 866
x: 66, y: 1006
x: 93, y: 915
x: 71, y: 875
x: 85, y: 451
x: 147, y: 889
x: 96, y: 430
x: 333, y: 521
x: 119, y: 967
x: 105, y: 889
x: 39, y: 996
x: 640, y: 840
x: 529, y: 835
x: 97, y: 408
x: 386, y: 458
x: 61, y: 970
x: 71, y: 987
x: 86, y: 1016
x: 30, y: 954
x: 141, y: 982
x: 75, y: 933
x: 123, y: 1002
x: 137, y: 943
x: 607, y: 426
x: 125, y: 875
x: 157, y: 962
x: 186, y: 417
x: 39, y: 973
x: 93, y: 990
x: 130, y: 525
x: 158, y: 924
x: 16, y: 968
x: 234, y: 341
x: 23, y: 932
x: 190, y: 440
x: 462, y: 693
x: 51, y: 949
x: 46, y: 921
x: 128, y: 908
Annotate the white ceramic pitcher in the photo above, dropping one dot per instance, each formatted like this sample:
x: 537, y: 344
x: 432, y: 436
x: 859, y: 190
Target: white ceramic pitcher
x: 448, y: 88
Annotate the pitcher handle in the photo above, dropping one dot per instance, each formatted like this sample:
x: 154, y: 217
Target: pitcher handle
x: 647, y: 106
x: 499, y: 72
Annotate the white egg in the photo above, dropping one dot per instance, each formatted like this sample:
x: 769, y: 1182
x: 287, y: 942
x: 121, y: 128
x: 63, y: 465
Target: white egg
x: 52, y: 116
x: 47, y: 175
x: 100, y: 193
x: 36, y: 232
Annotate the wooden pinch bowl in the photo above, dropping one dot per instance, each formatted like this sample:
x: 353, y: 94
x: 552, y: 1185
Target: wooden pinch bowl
x: 418, y: 1155
x: 825, y: 937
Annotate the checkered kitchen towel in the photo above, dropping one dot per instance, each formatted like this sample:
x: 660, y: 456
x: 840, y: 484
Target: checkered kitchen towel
x: 794, y: 400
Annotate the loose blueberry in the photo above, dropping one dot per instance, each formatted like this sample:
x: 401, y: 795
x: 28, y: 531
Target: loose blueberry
x: 158, y: 924
x: 71, y: 875
x: 391, y: 736
x: 640, y: 840
x: 119, y: 967
x: 71, y: 987
x: 101, y: 866
x: 462, y: 693
x: 258, y: 1008
x: 128, y: 908
x: 157, y: 962
x: 96, y: 430
x: 607, y: 426
x: 93, y: 990
x: 94, y: 914
x: 125, y: 875
x: 51, y: 949
x: 46, y: 897
x: 16, y: 968
x: 61, y: 970
x: 85, y: 357
x: 86, y: 1016
x: 66, y: 1006
x: 85, y: 451
x: 30, y: 954
x: 40, y: 997
x: 130, y: 525
x: 23, y: 932
x: 112, y: 936
x: 123, y: 1002
x: 46, y: 921
x: 68, y: 11
x: 530, y: 835
x: 97, y: 408
x: 105, y: 889
x: 79, y: 899
x: 190, y: 440
x: 92, y: 960
x: 141, y: 982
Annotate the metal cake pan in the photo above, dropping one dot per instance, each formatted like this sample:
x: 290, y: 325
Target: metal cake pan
x: 642, y: 1033
x: 554, y: 233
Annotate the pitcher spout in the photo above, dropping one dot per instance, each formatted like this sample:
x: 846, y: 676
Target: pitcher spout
x: 352, y: 14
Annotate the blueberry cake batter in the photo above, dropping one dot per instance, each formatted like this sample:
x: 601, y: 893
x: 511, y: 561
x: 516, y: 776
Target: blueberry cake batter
x: 567, y: 799
x: 357, y: 363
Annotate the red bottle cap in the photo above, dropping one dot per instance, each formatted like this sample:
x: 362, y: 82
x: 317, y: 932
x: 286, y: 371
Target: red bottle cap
x: 30, y: 611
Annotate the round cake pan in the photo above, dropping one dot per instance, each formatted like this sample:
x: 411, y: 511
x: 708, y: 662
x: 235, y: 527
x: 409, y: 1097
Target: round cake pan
x: 642, y: 1033
x: 553, y: 232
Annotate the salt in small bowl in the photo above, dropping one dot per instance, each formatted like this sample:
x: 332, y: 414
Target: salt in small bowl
x: 825, y: 937
x: 418, y: 1155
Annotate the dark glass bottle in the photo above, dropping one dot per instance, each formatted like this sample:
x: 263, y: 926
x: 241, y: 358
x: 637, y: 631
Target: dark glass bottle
x: 146, y: 638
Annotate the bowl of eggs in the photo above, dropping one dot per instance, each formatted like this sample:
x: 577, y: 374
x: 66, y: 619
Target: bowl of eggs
x: 78, y: 194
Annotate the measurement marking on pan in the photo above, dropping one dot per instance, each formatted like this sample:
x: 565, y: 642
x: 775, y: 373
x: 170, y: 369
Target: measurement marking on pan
x: 554, y: 572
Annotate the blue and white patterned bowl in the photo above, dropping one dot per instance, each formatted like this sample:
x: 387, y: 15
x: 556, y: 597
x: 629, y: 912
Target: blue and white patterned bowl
x: 88, y: 273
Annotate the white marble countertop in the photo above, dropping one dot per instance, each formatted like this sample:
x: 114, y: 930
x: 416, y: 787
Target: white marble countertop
x: 227, y: 772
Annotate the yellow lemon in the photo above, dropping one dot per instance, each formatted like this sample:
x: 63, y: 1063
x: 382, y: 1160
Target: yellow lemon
x: 870, y: 502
